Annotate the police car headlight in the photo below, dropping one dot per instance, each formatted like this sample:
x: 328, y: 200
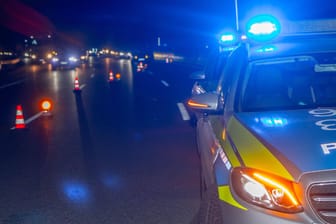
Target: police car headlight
x: 55, y: 59
x: 73, y: 59
x: 265, y: 190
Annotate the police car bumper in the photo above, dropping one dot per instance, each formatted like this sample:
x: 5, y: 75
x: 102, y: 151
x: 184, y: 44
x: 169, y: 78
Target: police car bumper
x: 255, y: 215
x: 316, y: 191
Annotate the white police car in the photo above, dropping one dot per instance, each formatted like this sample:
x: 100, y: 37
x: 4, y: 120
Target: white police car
x: 64, y: 62
x: 267, y: 140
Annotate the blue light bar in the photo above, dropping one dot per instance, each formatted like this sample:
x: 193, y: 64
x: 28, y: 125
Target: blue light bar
x: 263, y: 28
x: 227, y: 38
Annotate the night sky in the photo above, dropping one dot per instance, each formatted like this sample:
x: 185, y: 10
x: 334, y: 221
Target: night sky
x: 104, y: 22
x: 130, y: 22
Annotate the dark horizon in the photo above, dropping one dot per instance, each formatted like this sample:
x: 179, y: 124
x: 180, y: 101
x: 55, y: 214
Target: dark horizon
x: 114, y: 24
x: 130, y: 23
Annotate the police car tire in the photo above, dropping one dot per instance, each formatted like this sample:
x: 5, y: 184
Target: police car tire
x: 210, y: 212
x: 203, y: 185
x: 206, y: 176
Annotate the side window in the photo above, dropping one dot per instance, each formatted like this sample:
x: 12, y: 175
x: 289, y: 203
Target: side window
x: 213, y: 71
x: 229, y: 77
x: 324, y: 88
x: 217, y: 70
x: 221, y: 61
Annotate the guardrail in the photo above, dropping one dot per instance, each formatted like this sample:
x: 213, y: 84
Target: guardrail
x: 9, y: 62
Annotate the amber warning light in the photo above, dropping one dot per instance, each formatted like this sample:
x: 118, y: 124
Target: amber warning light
x: 118, y: 76
x: 46, y: 106
x: 197, y: 105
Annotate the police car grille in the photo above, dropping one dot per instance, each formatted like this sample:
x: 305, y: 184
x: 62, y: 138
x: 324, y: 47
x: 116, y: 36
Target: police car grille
x: 323, y: 200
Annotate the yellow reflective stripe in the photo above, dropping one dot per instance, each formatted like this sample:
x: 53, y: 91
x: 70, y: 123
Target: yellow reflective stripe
x: 253, y: 153
x: 227, y: 147
x: 224, y: 194
x: 224, y: 142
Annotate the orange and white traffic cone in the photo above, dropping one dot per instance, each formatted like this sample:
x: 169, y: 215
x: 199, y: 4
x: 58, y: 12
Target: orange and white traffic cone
x: 111, y: 76
x: 76, y: 85
x: 19, y: 120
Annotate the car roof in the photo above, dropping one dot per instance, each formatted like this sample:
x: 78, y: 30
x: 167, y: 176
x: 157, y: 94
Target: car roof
x: 294, y: 45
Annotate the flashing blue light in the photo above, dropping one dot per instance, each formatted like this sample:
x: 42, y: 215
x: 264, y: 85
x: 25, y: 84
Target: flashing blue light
x: 263, y: 28
x: 228, y: 38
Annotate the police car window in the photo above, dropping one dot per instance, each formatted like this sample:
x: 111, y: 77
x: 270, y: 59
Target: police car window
x: 213, y: 71
x: 229, y: 78
x: 289, y: 83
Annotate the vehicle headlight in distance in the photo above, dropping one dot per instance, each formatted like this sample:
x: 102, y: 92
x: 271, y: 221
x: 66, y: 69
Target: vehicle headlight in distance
x: 55, y: 59
x: 72, y: 59
x: 265, y: 190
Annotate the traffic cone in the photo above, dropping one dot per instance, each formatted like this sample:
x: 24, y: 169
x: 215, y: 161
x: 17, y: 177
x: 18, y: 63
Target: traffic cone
x: 19, y: 120
x: 76, y: 85
x: 111, y: 77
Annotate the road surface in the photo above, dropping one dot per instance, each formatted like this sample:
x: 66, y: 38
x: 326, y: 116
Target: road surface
x: 116, y: 152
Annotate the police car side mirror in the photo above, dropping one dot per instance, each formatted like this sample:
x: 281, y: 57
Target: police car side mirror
x: 209, y: 103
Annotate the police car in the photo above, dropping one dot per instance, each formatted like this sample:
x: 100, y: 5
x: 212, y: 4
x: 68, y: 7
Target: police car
x: 206, y: 79
x: 64, y: 62
x: 267, y: 137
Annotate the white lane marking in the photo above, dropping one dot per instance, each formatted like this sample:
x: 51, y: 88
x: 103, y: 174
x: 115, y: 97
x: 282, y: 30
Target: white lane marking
x: 92, y: 75
x: 82, y: 86
x: 31, y: 119
x: 165, y: 83
x: 12, y: 84
x: 34, y: 117
x: 184, y: 113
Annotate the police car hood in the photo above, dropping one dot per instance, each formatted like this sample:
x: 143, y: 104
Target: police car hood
x: 305, y: 138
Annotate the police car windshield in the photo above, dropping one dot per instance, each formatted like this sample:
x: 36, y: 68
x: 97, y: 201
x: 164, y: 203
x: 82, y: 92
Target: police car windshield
x: 290, y: 83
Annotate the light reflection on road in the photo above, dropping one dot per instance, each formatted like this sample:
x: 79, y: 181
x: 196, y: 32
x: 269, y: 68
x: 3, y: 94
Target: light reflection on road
x: 112, y: 181
x: 76, y: 191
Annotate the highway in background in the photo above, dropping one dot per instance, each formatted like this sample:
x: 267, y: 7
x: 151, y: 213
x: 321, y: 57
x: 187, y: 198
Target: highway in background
x: 114, y: 152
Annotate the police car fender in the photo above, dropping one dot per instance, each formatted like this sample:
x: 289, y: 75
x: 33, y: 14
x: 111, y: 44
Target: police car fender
x: 326, y: 125
x: 220, y: 153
